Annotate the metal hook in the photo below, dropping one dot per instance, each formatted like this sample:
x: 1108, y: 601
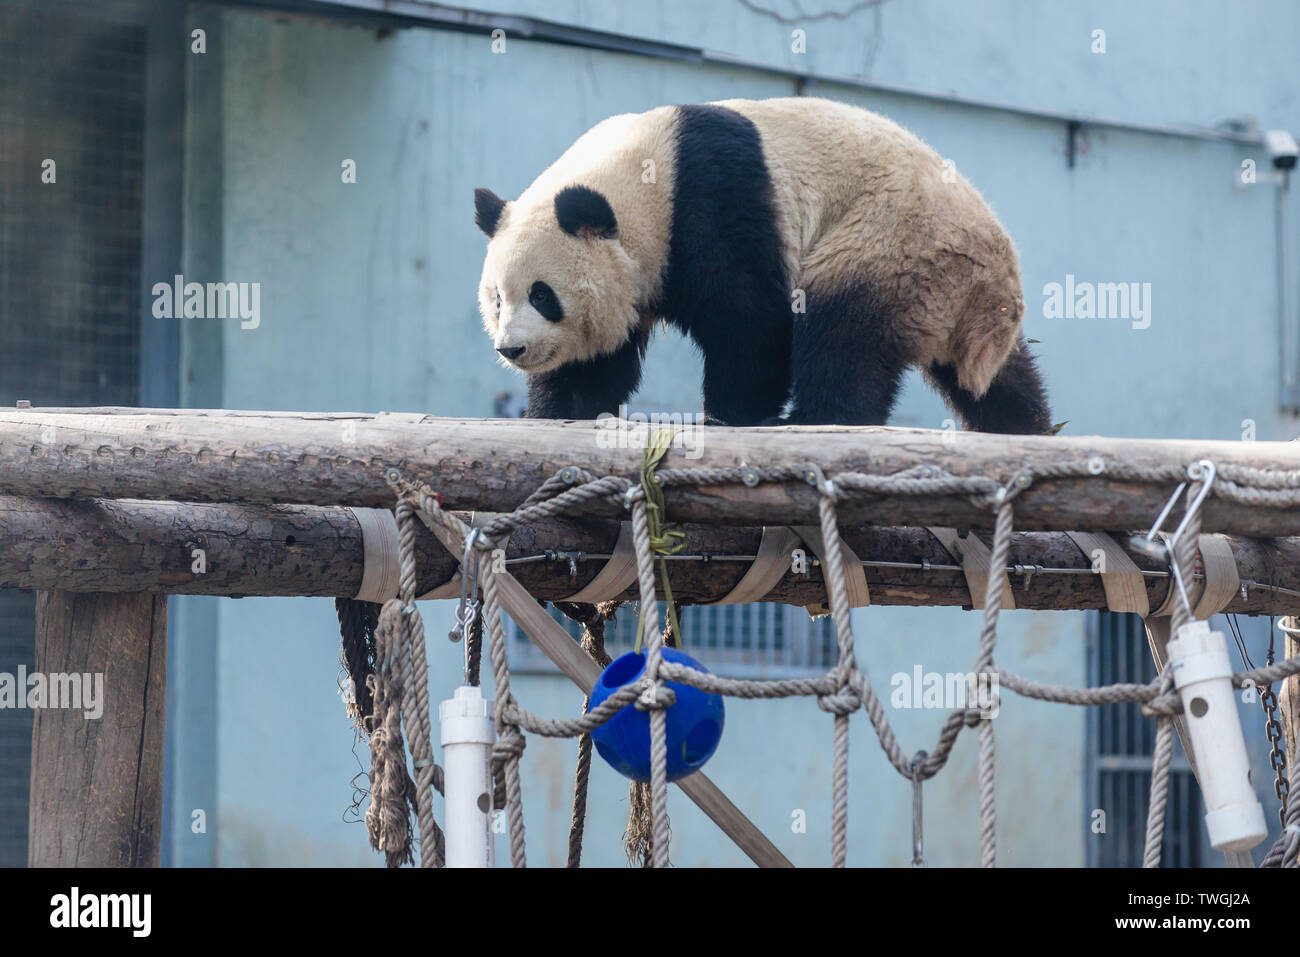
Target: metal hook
x: 1206, y: 470
x: 1203, y: 472
x: 467, y: 608
x: 1149, y: 545
x: 1205, y: 475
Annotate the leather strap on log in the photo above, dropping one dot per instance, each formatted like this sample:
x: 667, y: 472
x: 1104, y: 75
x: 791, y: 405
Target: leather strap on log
x: 975, y: 560
x: 1125, y: 587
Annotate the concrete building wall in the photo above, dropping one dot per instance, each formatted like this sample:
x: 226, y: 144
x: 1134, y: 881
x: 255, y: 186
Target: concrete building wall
x: 368, y: 303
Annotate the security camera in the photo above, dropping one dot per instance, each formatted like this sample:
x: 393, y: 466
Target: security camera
x: 1282, y: 149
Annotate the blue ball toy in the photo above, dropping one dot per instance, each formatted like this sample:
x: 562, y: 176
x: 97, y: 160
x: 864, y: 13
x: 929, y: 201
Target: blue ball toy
x: 693, y: 725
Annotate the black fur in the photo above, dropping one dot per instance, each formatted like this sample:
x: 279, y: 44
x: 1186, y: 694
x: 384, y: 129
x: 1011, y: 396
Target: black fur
x: 581, y: 209
x: 487, y: 210
x: 847, y: 367
x: 542, y: 298
x: 1015, y: 403
x: 725, y: 284
x: 584, y: 390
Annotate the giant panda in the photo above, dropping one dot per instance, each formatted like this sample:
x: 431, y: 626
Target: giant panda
x: 812, y: 250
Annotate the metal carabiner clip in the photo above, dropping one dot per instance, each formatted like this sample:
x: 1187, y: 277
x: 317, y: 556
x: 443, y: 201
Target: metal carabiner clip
x: 1203, y: 472
x: 467, y: 608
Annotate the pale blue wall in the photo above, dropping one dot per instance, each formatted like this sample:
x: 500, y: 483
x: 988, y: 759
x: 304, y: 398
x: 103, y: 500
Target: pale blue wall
x: 368, y: 304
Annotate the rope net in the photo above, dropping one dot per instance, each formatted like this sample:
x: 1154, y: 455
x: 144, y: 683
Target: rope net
x: 397, y: 688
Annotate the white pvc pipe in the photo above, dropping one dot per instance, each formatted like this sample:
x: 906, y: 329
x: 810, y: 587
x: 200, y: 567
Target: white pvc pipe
x: 468, y: 732
x: 1203, y: 676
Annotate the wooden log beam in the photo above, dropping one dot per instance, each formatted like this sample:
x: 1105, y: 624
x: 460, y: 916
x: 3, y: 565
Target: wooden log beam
x: 95, y: 545
x: 96, y: 784
x: 492, y: 465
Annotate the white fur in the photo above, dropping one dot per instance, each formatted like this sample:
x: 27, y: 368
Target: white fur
x: 603, y: 284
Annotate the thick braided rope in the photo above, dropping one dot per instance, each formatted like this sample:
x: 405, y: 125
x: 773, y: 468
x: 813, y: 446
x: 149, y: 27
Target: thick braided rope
x: 578, y: 818
x: 593, y: 643
x: 1149, y: 695
x: 845, y: 700
x: 984, y: 665
x: 919, y: 480
x: 1184, y: 557
x: 1153, y: 702
x: 575, y: 499
x: 583, y: 723
x: 432, y: 514
x: 413, y: 668
x: 656, y: 696
x: 557, y: 483
x: 988, y: 796
x: 1157, y: 804
x: 1239, y: 484
x: 748, y: 687
x: 510, y: 743
x: 388, y: 820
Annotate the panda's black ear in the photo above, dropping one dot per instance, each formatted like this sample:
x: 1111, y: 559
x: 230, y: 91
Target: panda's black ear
x: 584, y: 212
x: 487, y: 210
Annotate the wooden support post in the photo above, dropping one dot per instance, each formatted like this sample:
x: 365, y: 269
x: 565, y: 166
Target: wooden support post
x: 96, y: 785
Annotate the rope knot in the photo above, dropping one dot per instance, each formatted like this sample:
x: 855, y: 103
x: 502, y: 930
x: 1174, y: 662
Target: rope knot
x: 1165, y: 705
x: 656, y: 697
x: 843, y: 701
x: 510, y: 745
x: 917, y: 766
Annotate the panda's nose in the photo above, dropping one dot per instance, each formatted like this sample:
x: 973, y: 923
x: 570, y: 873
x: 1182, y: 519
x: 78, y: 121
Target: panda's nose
x: 511, y: 352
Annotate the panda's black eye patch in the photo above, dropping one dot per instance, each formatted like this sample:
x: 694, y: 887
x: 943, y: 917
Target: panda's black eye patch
x: 542, y: 298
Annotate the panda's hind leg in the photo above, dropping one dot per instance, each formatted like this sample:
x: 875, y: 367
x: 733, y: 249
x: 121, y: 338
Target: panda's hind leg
x: 846, y: 365
x: 1015, y: 403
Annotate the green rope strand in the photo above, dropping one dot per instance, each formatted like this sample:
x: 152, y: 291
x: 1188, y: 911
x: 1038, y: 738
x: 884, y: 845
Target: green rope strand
x: 664, y: 539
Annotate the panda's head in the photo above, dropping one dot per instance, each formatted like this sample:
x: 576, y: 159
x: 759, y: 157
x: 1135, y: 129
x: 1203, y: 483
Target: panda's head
x: 557, y: 284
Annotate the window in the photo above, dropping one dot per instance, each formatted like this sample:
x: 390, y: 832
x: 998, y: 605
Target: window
x: 763, y: 640
x: 1118, y: 760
